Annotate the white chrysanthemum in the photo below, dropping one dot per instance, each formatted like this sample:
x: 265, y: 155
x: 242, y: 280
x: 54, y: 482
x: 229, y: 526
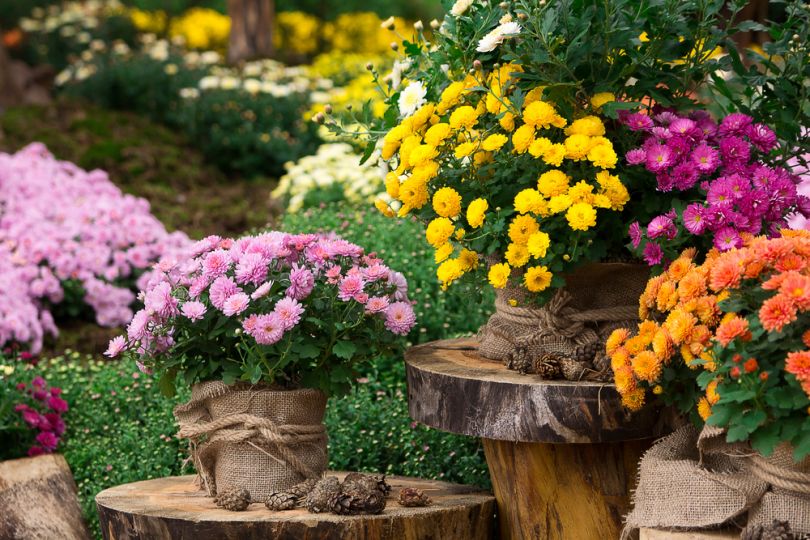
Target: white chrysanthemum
x: 491, y: 41
x: 209, y: 82
x: 460, y: 7
x: 252, y: 86
x: 412, y: 98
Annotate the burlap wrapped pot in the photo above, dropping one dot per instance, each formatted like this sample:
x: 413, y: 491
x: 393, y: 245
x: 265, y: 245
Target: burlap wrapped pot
x: 257, y: 438
x: 597, y: 299
x: 695, y: 480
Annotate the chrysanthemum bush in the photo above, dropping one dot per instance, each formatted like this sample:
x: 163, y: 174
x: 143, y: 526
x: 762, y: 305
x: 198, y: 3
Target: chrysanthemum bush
x: 727, y: 341
x: 71, y: 243
x: 502, y: 133
x: 332, y: 174
x: 31, y: 412
x: 720, y: 179
x: 290, y: 310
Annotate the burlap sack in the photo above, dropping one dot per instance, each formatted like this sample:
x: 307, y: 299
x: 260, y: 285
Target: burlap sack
x: 255, y: 438
x: 597, y: 299
x: 695, y: 480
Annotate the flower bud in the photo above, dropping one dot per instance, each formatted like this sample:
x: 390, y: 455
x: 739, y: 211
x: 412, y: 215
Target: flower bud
x: 418, y: 26
x: 319, y: 118
x: 435, y: 24
x: 477, y: 65
x: 522, y: 16
x: 369, y: 66
x: 503, y: 5
x: 327, y: 109
x: 394, y: 46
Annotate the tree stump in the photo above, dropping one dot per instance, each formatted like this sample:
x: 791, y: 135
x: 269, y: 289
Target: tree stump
x: 38, y: 500
x: 563, y: 456
x: 176, y: 508
x: 251, y: 33
x: 658, y: 534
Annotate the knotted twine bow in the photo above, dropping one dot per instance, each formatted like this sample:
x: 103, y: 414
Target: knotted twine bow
x: 263, y: 432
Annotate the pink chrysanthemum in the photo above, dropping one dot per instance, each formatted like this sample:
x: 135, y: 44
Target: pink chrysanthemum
x: 268, y: 329
x: 400, y: 318
x: 377, y: 304
x: 116, y: 346
x: 235, y: 304
x: 301, y: 282
x: 350, y: 286
x: 289, y: 311
x: 216, y: 264
x: 262, y: 290
x: 193, y: 310
x: 375, y: 272
x: 221, y: 289
x: 252, y: 268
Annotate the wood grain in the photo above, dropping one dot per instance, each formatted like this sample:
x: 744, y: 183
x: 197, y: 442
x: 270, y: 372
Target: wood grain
x: 175, y: 508
x: 658, y: 534
x: 562, y: 491
x: 452, y: 388
x: 38, y: 500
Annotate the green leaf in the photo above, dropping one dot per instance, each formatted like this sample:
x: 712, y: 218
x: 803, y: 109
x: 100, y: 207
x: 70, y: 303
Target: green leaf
x: 344, y: 349
x: 307, y: 350
x: 166, y: 383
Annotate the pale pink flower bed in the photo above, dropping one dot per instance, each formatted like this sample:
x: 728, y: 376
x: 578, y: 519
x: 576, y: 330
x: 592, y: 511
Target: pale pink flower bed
x: 59, y: 222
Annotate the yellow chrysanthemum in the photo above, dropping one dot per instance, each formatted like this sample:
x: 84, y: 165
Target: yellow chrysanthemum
x: 539, y: 146
x: 464, y: 149
x: 422, y: 154
x: 521, y: 228
x: 704, y: 408
x: 537, y: 278
x: 468, y: 260
x: 516, y: 255
x: 613, y: 189
x: 437, y: 133
x: 553, y: 182
x: 425, y: 171
x: 413, y: 193
x: 582, y: 191
x: 499, y: 275
x: 530, y: 201
x: 591, y: 126
x: 538, y: 244
x: 450, y: 97
x: 408, y: 145
x: 480, y: 158
x: 447, y: 202
x: 392, y: 185
x: 581, y: 216
x: 522, y: 138
x: 539, y: 114
x: 577, y: 146
x: 601, y: 98
x: 443, y: 252
x: 449, y: 271
x: 634, y: 399
x: 465, y: 117
x: 554, y: 155
x: 384, y: 208
x: 476, y: 212
x: 494, y: 142
x: 559, y: 203
x: 439, y: 231
x: 507, y: 122
x: 646, y: 366
x: 603, y: 156
x: 535, y: 94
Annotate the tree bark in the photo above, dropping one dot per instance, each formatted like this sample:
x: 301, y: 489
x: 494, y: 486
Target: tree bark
x: 10, y: 91
x: 251, y: 29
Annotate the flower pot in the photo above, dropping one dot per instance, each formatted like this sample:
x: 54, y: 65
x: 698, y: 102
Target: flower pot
x: 253, y: 437
x: 571, y: 327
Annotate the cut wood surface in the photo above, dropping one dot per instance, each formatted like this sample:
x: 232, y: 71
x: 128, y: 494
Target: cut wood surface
x: 563, y: 491
x: 452, y: 388
x: 176, y: 508
x: 38, y: 500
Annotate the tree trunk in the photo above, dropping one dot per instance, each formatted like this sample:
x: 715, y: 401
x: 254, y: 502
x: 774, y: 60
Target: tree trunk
x: 10, y: 91
x: 251, y: 29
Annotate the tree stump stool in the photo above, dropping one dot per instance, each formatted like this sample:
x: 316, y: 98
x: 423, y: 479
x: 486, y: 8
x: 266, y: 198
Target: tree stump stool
x: 176, y: 508
x: 563, y: 456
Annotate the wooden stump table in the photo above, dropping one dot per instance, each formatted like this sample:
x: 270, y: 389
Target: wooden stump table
x: 176, y: 508
x: 563, y: 456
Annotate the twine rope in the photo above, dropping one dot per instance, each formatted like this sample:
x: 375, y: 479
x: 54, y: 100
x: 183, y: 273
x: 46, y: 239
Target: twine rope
x: 243, y: 427
x: 781, y: 477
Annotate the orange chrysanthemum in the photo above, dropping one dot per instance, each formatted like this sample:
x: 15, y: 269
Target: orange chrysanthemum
x: 692, y: 286
x: 662, y: 345
x: 646, y: 331
x: 726, y: 272
x: 796, y: 287
x: 616, y: 340
x: 646, y: 366
x: 704, y: 408
x: 679, y: 268
x: 806, y: 338
x: 776, y: 312
x: 619, y: 359
x: 707, y: 310
x: 667, y: 296
x: 730, y: 329
x: 634, y: 399
x: 679, y: 323
x: 798, y: 363
x: 711, y: 392
x: 790, y: 261
x: 624, y: 380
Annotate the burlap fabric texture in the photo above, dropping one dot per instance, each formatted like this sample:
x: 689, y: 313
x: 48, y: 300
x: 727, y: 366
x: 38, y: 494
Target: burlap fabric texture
x: 695, y: 480
x: 597, y: 299
x: 263, y: 440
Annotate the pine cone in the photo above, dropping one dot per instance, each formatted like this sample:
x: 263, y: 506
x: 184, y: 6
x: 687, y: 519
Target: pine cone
x: 235, y: 499
x: 410, y: 497
x: 366, y: 481
x: 547, y: 366
x: 281, y: 501
x: 573, y: 370
x: 302, y: 489
x: 520, y: 362
x: 357, y: 500
x: 585, y: 353
x: 778, y: 530
x: 317, y: 500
